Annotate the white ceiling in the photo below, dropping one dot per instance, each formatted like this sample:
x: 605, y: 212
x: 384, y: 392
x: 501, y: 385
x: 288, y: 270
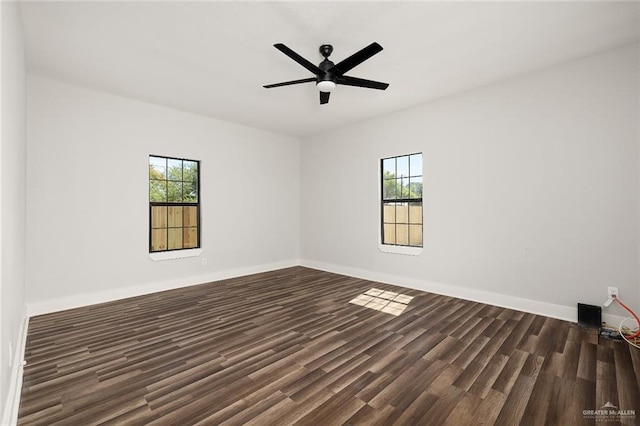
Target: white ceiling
x: 212, y: 58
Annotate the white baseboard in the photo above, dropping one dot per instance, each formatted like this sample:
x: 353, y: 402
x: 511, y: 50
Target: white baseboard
x: 77, y: 301
x: 12, y: 401
x: 566, y: 313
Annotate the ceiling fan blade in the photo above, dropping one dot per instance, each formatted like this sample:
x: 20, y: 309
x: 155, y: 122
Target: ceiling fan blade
x: 361, y: 82
x: 324, y: 97
x: 299, y: 59
x: 289, y: 83
x: 356, y: 59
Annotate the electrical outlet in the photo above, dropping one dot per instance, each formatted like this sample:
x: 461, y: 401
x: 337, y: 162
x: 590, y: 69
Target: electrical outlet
x: 205, y: 263
x: 612, y: 291
x: 10, y: 355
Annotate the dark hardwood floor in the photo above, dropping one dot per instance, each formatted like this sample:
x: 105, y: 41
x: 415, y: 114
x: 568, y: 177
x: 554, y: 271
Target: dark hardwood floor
x: 287, y: 347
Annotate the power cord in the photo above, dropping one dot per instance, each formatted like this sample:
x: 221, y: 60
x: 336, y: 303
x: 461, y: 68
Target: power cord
x: 624, y: 332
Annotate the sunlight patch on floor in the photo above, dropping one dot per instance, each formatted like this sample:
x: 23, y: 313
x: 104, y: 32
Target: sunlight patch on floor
x: 384, y: 301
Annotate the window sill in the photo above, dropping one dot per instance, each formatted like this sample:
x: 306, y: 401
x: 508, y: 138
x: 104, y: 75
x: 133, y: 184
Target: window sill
x: 409, y: 251
x: 177, y: 254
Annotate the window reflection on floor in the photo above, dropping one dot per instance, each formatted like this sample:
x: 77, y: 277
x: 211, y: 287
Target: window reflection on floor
x: 384, y: 301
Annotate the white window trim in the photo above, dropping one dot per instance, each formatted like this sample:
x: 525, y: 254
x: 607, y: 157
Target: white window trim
x: 409, y: 251
x: 388, y: 248
x: 175, y: 254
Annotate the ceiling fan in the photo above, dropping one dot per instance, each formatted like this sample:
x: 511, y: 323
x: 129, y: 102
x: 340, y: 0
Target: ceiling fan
x: 328, y: 74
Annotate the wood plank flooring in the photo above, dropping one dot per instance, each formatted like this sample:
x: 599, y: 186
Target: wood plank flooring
x: 287, y: 347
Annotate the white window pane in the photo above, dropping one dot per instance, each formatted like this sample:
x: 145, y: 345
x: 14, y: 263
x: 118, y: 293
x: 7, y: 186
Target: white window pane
x: 157, y: 168
x: 402, y: 164
x: 416, y: 164
x: 415, y: 187
x: 389, y: 167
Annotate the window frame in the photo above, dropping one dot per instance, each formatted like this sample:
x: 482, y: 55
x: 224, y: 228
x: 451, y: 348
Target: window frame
x: 397, y: 248
x: 175, y: 253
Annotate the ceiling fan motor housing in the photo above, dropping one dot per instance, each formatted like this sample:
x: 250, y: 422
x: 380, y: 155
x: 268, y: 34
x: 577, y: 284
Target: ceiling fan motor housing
x: 325, y: 66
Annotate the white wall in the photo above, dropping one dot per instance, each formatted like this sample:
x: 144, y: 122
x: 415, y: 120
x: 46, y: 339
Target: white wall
x: 530, y: 189
x: 88, y: 195
x: 12, y: 194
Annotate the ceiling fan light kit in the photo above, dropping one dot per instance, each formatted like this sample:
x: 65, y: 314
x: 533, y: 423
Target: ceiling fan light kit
x: 326, y: 86
x: 327, y: 74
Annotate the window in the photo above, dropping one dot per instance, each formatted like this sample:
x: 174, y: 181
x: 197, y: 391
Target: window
x: 401, y: 209
x: 174, y: 204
